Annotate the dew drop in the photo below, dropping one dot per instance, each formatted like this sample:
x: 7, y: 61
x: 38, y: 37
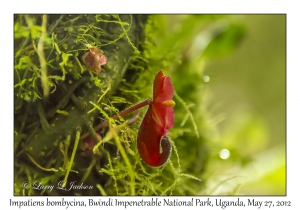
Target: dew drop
x: 206, y: 78
x: 224, y: 154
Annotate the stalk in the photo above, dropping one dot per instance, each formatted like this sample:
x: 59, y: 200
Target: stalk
x: 121, y: 114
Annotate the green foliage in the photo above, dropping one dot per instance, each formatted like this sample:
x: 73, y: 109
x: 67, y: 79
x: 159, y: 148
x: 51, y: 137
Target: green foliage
x: 39, y: 135
x: 65, y: 62
x: 114, y: 166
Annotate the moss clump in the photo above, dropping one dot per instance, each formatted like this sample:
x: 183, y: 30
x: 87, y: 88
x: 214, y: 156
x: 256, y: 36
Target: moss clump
x: 57, y: 100
x: 54, y: 92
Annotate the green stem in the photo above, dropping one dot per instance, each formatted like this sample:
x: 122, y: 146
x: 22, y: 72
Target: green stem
x: 40, y: 52
x: 43, y: 120
x: 39, y: 166
x: 95, y: 138
x: 102, y: 191
x: 19, y: 101
x: 55, y: 24
x: 127, y: 162
x: 72, y: 157
x: 121, y: 114
x: 18, y: 53
x: 87, y: 173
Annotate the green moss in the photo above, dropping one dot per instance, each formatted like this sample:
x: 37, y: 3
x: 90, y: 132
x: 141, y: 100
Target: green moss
x: 80, y: 99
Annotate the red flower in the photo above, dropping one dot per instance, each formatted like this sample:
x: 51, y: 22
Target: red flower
x: 88, y: 144
x: 94, y: 59
x: 158, y: 119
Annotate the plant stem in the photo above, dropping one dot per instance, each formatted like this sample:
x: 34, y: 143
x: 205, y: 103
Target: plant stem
x: 39, y: 166
x: 87, y: 173
x: 72, y: 158
x: 127, y: 162
x: 40, y: 52
x: 121, y: 114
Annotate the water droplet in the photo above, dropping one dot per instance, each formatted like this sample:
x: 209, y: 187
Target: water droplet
x: 224, y: 154
x: 206, y: 78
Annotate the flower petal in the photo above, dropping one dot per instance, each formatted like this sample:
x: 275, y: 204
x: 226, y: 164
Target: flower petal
x: 163, y: 117
x: 162, y: 111
x: 93, y: 59
x: 170, y: 118
x: 150, y: 142
x: 162, y: 88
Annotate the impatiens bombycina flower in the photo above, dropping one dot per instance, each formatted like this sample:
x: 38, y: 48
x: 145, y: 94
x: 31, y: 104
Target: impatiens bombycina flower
x: 88, y: 144
x: 93, y: 59
x: 153, y: 142
x: 158, y: 119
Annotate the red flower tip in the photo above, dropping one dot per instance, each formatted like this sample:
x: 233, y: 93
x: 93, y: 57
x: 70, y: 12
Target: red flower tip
x: 93, y: 59
x: 162, y: 107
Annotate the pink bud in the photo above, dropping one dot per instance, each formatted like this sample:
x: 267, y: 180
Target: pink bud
x: 88, y: 144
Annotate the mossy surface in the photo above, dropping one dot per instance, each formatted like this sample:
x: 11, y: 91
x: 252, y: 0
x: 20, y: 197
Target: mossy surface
x: 45, y: 121
x: 54, y: 108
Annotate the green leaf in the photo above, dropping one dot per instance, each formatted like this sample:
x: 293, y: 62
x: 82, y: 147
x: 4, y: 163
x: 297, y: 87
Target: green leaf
x: 36, y: 31
x: 16, y: 26
x: 21, y: 31
x: 20, y: 83
x: 56, y: 77
x: 76, y: 75
x: 24, y: 62
x: 23, y: 82
x: 65, y: 58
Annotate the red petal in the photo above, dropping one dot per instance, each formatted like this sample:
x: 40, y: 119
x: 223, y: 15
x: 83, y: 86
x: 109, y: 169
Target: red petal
x: 103, y: 59
x: 163, y: 117
x: 170, y: 117
x: 94, y: 59
x: 162, y: 88
x: 149, y: 142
